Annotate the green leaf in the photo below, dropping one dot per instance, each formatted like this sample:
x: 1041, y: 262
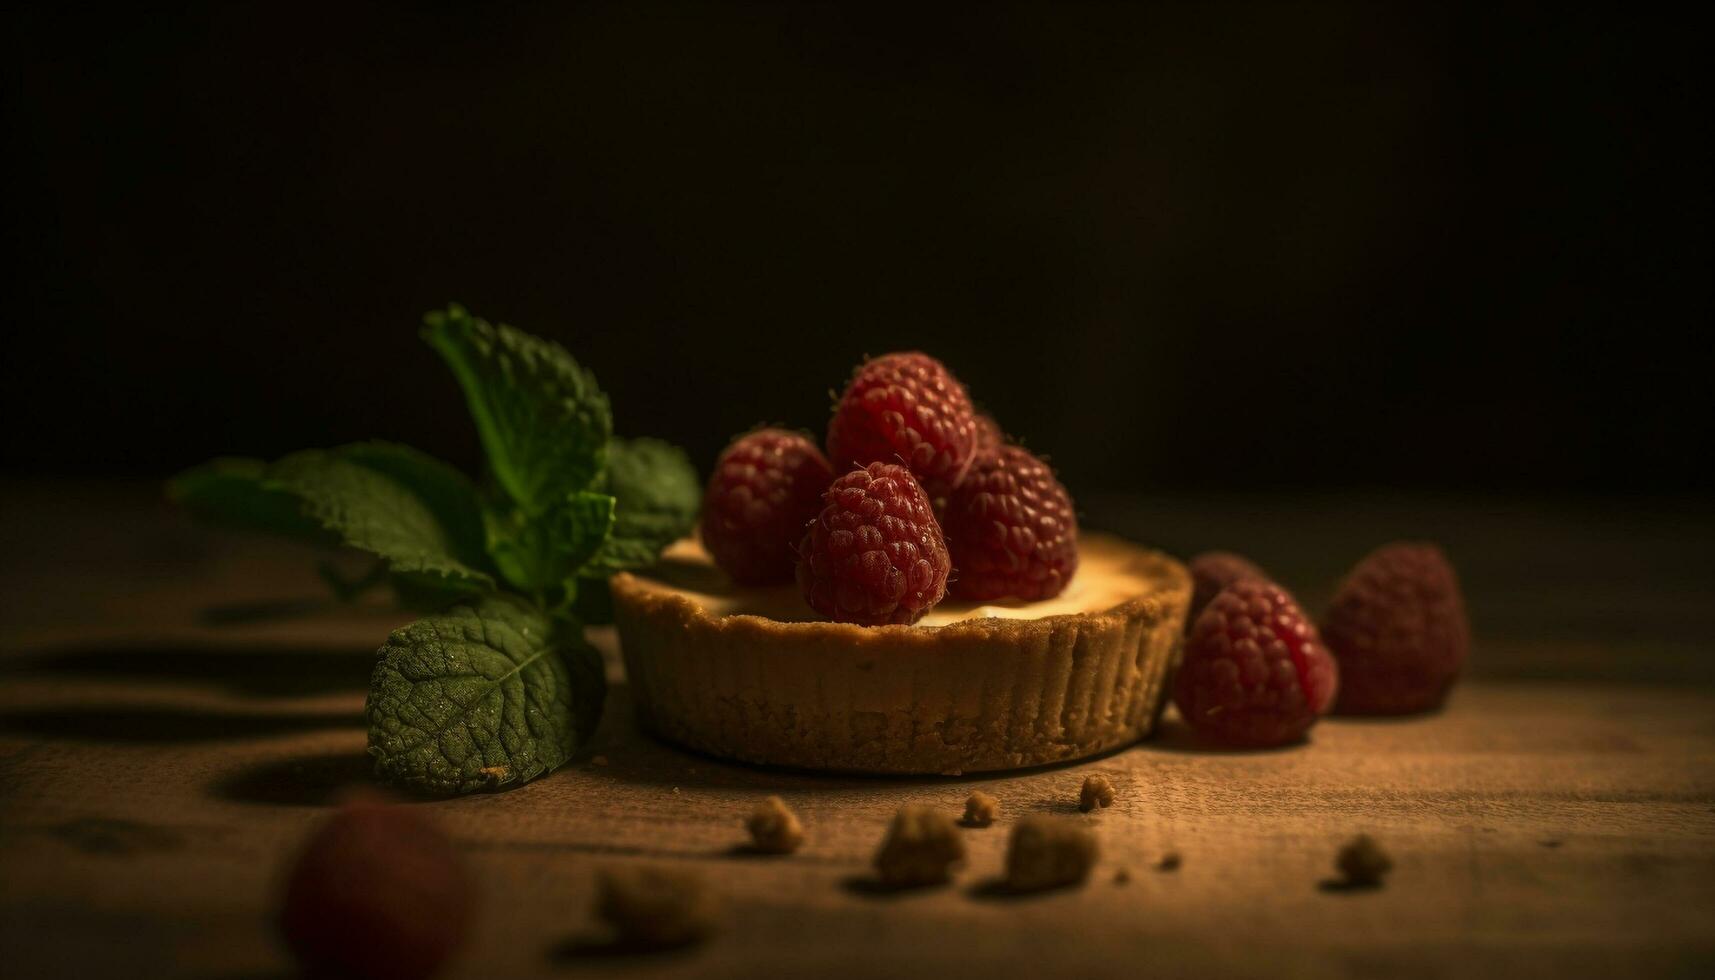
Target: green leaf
x: 233, y: 491
x: 408, y: 508
x: 443, y: 489
x: 415, y: 512
x: 543, y: 421
x: 485, y: 695
x: 658, y: 496
x: 538, y: 555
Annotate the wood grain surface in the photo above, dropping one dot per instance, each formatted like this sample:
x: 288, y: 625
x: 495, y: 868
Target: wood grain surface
x: 177, y: 711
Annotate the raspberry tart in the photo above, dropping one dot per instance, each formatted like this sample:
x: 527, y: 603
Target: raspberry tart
x: 938, y: 611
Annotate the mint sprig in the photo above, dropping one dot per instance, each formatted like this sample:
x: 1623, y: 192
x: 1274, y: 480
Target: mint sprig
x: 498, y: 686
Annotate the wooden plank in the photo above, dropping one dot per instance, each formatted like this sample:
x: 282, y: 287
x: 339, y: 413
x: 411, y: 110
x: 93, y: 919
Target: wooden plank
x: 156, y: 772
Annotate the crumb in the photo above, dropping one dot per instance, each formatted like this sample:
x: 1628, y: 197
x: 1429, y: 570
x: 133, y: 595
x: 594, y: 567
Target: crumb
x: 774, y: 829
x: 1048, y: 852
x: 980, y: 809
x: 1122, y: 876
x: 675, y: 791
x: 600, y: 760
x: 921, y: 848
x: 1097, y: 792
x: 1363, y: 862
x: 495, y: 774
x: 655, y: 907
x: 1169, y: 862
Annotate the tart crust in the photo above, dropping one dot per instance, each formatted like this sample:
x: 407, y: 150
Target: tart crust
x: 979, y: 694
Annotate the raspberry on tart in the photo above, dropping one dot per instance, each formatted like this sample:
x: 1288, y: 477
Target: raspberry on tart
x: 905, y: 408
x: 875, y: 553
x: 1255, y: 673
x: 1058, y: 647
x: 765, y: 487
x: 1011, y: 529
x: 989, y: 436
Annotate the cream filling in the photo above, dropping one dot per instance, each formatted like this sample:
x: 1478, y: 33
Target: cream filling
x: 1107, y: 576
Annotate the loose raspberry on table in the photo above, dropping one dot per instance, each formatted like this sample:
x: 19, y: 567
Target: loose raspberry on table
x: 905, y: 408
x: 1255, y: 673
x: 378, y: 891
x: 875, y: 554
x: 1397, y: 626
x: 1213, y: 571
x: 1011, y: 530
x: 765, y: 487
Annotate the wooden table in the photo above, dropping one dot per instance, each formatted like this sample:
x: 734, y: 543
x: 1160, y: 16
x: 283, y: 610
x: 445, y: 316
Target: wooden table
x: 168, y: 737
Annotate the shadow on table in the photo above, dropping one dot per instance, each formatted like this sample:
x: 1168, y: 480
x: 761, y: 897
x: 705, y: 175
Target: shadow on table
x: 158, y: 725
x: 248, y: 669
x: 1174, y: 736
x: 312, y: 780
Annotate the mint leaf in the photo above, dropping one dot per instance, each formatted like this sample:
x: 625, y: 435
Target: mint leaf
x: 234, y: 491
x: 658, y: 496
x: 482, y: 696
x: 543, y: 421
x: 417, y: 513
x: 539, y: 555
x: 441, y: 488
x: 404, y: 506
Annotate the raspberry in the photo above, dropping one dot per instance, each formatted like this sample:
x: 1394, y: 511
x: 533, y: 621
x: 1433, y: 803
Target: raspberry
x: 1255, y: 673
x: 1011, y: 530
x: 766, y: 486
x: 989, y: 436
x: 905, y: 408
x: 1213, y: 571
x: 1397, y: 626
x: 875, y: 554
x: 378, y: 891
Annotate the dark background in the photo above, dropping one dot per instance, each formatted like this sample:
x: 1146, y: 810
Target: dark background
x: 1462, y: 247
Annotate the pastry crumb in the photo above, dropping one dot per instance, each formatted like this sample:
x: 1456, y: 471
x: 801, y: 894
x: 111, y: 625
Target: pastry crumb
x: 921, y: 848
x: 1363, y: 862
x: 655, y: 908
x: 600, y: 760
x: 1169, y: 862
x: 774, y: 829
x: 1049, y: 852
x: 1096, y: 792
x: 1122, y: 876
x: 980, y: 809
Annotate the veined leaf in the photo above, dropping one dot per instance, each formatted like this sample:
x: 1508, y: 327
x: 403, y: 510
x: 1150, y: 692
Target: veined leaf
x: 482, y: 696
x: 415, y: 512
x: 539, y: 555
x: 658, y: 495
x: 543, y: 421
